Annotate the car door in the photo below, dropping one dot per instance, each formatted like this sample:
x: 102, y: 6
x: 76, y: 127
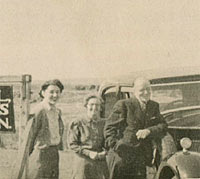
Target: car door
x: 111, y: 94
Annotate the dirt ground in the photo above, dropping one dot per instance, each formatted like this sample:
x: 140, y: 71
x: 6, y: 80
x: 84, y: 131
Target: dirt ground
x: 66, y: 159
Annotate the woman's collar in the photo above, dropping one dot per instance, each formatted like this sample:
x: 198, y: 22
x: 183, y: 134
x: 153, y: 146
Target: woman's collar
x: 47, y: 106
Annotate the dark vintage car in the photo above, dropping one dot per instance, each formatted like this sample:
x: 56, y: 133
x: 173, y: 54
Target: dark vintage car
x: 179, y: 99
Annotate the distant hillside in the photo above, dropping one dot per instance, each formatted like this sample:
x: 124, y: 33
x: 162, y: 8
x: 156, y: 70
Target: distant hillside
x: 129, y: 78
x: 75, y: 81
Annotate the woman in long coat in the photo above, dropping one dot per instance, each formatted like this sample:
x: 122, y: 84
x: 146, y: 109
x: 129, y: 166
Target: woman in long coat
x: 85, y: 139
x: 47, y: 134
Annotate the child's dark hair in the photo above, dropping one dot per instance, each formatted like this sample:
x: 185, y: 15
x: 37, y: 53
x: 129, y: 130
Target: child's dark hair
x: 55, y: 82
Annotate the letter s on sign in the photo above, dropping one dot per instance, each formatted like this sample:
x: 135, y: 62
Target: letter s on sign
x: 4, y: 109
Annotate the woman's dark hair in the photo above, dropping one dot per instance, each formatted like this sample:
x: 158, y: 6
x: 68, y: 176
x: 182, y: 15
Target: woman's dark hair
x: 55, y: 82
x: 90, y: 96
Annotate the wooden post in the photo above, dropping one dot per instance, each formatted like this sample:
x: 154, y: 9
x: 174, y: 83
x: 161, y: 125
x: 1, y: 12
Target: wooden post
x: 26, y: 95
x: 22, y: 157
x: 23, y: 151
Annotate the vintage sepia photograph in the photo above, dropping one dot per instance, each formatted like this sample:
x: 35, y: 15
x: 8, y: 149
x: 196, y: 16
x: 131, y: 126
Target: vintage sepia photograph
x: 99, y: 89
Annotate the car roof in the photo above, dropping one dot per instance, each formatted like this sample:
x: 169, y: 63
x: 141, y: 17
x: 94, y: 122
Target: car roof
x: 161, y: 75
x: 176, y: 79
x: 171, y: 79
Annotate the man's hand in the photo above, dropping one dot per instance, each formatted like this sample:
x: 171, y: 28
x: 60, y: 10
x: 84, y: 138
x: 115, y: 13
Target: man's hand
x: 93, y: 155
x: 142, y: 134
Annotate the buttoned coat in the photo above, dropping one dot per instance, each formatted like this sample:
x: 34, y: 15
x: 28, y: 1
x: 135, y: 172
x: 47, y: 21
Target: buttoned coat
x: 44, y: 158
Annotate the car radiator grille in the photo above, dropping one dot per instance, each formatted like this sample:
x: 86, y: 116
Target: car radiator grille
x: 195, y: 145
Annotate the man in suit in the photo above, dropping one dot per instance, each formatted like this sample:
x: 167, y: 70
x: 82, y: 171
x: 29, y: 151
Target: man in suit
x: 129, y: 131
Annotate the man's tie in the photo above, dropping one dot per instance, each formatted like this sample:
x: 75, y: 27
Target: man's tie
x: 143, y: 106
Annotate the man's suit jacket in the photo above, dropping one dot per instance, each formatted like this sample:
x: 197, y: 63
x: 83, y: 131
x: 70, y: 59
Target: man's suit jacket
x: 127, y: 118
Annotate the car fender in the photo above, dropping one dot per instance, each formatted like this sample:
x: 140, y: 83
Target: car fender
x: 181, y: 164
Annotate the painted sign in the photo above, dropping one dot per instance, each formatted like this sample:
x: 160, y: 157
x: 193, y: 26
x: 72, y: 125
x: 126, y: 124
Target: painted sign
x: 7, y: 122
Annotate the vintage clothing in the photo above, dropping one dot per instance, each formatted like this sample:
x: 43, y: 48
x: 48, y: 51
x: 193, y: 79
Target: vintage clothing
x: 84, y: 137
x: 46, y: 141
x: 129, y: 156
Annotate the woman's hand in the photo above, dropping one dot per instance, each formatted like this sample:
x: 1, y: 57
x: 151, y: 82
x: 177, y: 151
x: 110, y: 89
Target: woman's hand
x: 97, y: 155
x: 93, y: 155
x: 102, y: 155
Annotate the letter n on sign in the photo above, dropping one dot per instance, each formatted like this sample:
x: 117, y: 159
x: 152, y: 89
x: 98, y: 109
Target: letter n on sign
x: 7, y: 122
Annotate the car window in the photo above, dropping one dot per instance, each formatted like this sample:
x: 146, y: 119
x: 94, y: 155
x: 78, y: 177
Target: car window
x: 110, y: 99
x: 112, y: 95
x: 172, y: 96
x: 169, y: 96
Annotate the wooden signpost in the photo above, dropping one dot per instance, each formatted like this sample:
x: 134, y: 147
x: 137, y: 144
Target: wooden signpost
x: 22, y: 159
x: 7, y: 123
x: 7, y: 116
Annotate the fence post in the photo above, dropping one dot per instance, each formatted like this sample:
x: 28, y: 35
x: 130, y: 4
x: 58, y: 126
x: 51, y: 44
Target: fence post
x: 26, y: 96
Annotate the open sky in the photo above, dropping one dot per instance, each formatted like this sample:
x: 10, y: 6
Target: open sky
x: 97, y: 38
